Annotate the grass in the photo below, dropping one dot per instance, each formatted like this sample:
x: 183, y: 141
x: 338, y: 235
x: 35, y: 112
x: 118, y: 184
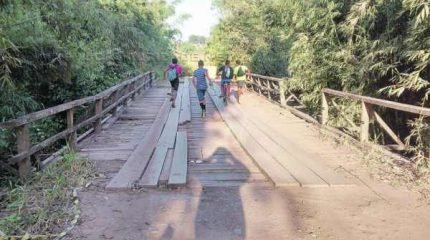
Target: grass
x: 42, y: 204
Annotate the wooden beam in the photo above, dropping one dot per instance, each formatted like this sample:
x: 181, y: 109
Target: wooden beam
x: 23, y: 145
x: 98, y: 111
x: 324, y: 109
x: 365, y: 120
x: 136, y: 164
x: 152, y: 173
x: 380, y: 102
x: 70, y: 122
x: 178, y: 170
x: 388, y: 130
x: 354, y: 127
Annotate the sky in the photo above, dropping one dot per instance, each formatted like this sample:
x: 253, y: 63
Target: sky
x: 202, y: 19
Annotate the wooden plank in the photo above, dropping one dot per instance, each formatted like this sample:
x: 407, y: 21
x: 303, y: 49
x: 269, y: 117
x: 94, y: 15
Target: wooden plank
x: 294, y: 148
x: 185, y: 115
x: 164, y: 176
x: 387, y: 129
x: 304, y: 175
x: 167, y: 138
x: 152, y: 173
x: 278, y: 175
x: 132, y: 170
x: 381, y: 102
x: 178, y: 171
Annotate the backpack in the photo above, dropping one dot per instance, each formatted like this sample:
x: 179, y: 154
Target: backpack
x: 224, y: 72
x: 240, y: 72
x: 172, y: 74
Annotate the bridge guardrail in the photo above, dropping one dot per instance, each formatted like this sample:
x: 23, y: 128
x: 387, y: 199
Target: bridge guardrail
x: 275, y: 90
x: 105, y: 102
x: 272, y: 88
x: 368, y: 113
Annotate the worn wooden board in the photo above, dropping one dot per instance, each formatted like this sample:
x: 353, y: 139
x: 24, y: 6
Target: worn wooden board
x: 152, y: 173
x: 167, y: 138
x: 275, y: 171
x: 131, y: 172
x: 164, y: 176
x: 304, y: 175
x: 185, y: 115
x: 259, y: 112
x: 178, y: 170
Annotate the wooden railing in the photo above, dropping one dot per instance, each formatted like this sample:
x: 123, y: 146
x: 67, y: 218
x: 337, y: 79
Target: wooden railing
x: 104, y: 103
x: 272, y: 88
x: 368, y: 113
x: 276, y: 91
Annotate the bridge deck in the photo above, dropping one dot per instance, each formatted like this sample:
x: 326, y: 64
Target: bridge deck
x: 254, y: 142
x: 231, y: 149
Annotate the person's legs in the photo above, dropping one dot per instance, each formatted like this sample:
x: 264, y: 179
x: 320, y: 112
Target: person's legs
x: 201, y: 96
x: 240, y: 86
x: 228, y: 89
x: 223, y: 85
x: 175, y: 86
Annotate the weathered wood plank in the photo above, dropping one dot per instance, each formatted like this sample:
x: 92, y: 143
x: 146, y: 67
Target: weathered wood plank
x: 283, y: 138
x: 178, y: 170
x: 185, y: 115
x: 132, y: 170
x: 164, y: 176
x: 168, y: 136
x: 304, y: 175
x: 387, y: 129
x: 152, y: 173
x: 276, y: 172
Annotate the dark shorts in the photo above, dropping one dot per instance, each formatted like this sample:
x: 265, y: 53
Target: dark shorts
x: 225, y: 81
x: 175, y: 84
x: 241, y: 83
x: 201, y: 94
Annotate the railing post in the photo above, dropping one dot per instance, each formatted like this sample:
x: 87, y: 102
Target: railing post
x: 133, y: 96
x: 365, y: 119
x: 259, y: 86
x: 70, y: 123
x: 282, y: 93
x: 151, y: 77
x: 115, y: 99
x: 23, y: 145
x: 98, y: 112
x: 269, y: 86
x: 324, y: 108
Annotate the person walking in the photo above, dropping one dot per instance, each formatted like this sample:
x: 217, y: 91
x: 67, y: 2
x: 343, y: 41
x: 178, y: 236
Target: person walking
x: 199, y: 81
x: 226, y: 73
x: 172, y: 73
x: 240, y: 72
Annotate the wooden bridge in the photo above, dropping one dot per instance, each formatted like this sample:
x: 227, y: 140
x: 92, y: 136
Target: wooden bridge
x: 154, y: 145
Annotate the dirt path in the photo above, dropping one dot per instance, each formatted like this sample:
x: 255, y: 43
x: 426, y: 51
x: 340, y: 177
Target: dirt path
x: 366, y: 210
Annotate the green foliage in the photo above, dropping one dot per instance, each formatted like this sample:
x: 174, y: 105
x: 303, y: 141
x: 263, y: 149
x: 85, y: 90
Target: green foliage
x: 42, y: 205
x: 376, y: 48
x: 56, y: 51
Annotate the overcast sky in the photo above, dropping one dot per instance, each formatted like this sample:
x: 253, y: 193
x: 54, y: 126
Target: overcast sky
x: 202, y: 19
